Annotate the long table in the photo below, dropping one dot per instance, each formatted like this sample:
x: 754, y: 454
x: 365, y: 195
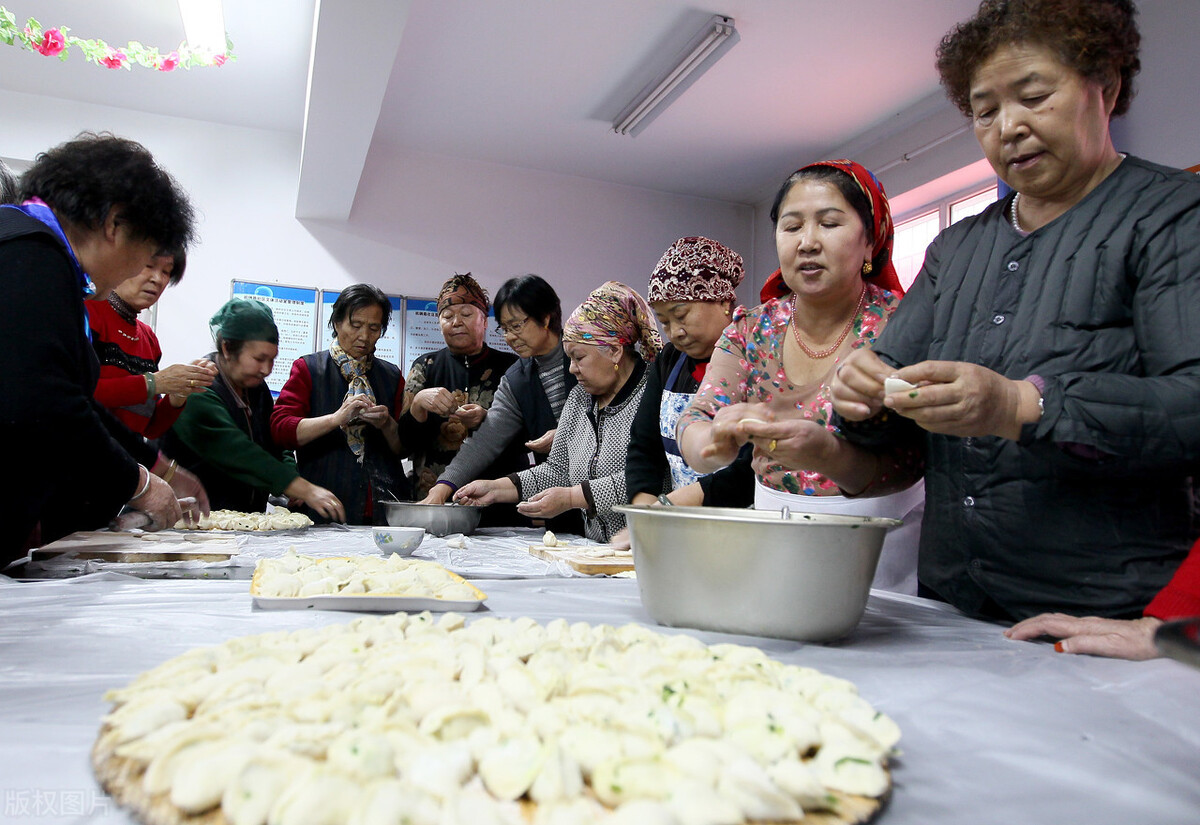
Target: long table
x: 995, y: 731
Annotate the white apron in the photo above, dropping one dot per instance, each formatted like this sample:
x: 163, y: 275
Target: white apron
x: 670, y: 408
x: 897, y: 570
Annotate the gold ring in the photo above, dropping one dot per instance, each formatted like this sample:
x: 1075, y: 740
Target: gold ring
x: 771, y: 446
x: 191, y: 383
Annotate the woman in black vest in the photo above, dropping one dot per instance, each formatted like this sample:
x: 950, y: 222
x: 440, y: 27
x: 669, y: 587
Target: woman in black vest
x: 338, y: 410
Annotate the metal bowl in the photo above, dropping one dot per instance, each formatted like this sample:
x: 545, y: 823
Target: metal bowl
x: 438, y: 519
x: 756, y: 572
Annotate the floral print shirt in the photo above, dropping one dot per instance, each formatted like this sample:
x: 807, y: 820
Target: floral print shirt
x: 747, y: 365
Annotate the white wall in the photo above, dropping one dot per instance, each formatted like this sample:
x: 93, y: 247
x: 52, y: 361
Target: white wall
x: 1163, y: 124
x: 417, y: 219
x: 440, y: 215
x: 241, y: 181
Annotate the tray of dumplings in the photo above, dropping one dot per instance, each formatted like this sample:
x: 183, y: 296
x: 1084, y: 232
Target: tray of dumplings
x: 360, y: 583
x: 279, y: 520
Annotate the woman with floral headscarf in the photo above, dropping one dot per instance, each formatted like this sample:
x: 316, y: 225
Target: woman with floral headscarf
x: 693, y: 293
x: 609, y: 338
x: 448, y: 392
x: 768, y: 382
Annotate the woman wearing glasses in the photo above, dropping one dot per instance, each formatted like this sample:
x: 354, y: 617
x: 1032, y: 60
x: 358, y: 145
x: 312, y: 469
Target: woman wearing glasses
x: 448, y: 392
x: 531, y: 394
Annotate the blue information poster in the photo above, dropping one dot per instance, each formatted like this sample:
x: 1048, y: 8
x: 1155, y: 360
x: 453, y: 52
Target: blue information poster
x: 423, y: 331
x: 389, y: 346
x: 295, y: 311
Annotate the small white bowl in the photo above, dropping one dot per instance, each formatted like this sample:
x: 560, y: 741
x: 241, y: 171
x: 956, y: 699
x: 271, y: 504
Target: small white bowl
x: 400, y: 540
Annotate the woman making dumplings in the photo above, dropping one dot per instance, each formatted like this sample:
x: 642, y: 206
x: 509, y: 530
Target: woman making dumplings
x: 609, y: 338
x: 768, y: 382
x: 223, y: 434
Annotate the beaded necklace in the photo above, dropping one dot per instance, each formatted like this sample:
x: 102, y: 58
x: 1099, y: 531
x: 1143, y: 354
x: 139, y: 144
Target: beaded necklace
x: 828, y: 351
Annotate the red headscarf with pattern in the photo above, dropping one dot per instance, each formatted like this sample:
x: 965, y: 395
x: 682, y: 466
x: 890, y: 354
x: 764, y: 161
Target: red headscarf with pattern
x: 614, y: 315
x: 883, y: 273
x: 696, y: 269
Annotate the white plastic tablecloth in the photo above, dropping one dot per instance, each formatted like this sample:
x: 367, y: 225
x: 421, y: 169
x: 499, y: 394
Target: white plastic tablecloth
x: 995, y: 731
x: 491, y: 553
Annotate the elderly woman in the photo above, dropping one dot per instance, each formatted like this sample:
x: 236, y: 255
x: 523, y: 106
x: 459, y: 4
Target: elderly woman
x: 144, y: 398
x: 339, y: 410
x: 92, y: 212
x: 1052, y: 341
x: 223, y: 434
x: 531, y: 394
x: 768, y: 383
x: 586, y: 467
x: 693, y: 293
x: 448, y: 392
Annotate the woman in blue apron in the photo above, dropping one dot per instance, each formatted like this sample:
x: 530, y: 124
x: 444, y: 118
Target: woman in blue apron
x: 692, y: 292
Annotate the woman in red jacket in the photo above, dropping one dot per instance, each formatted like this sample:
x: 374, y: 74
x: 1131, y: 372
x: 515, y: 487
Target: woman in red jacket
x: 145, y: 398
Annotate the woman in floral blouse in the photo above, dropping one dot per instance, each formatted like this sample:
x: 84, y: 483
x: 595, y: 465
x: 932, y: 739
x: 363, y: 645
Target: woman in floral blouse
x: 768, y: 382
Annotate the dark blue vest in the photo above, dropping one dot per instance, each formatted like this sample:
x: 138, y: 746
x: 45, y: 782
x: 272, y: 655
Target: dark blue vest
x: 328, y: 461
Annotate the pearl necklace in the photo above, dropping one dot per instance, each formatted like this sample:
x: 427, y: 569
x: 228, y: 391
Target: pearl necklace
x: 825, y: 353
x: 1012, y: 214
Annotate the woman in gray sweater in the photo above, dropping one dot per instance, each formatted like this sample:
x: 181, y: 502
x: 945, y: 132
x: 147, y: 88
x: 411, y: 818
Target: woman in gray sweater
x: 608, y: 339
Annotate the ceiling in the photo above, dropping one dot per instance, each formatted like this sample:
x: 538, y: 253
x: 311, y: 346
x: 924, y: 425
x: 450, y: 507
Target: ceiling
x: 525, y: 83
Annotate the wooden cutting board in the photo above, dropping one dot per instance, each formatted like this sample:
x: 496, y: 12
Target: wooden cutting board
x: 104, y: 545
x: 589, y: 565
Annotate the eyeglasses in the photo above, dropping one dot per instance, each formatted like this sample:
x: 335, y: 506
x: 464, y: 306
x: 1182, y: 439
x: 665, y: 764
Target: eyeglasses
x: 512, y: 329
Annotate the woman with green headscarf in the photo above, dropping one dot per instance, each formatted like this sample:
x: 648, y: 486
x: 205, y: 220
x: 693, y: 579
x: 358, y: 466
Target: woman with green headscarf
x: 224, y: 433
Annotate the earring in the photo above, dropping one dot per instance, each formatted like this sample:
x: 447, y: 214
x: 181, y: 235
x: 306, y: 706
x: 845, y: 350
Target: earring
x: 616, y: 367
x: 867, y: 268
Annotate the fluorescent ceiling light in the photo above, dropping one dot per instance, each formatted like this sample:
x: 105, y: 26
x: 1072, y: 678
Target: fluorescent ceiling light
x: 705, y: 49
x: 204, y: 24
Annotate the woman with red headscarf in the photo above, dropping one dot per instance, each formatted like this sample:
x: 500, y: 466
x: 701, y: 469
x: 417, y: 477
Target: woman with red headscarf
x: 768, y: 381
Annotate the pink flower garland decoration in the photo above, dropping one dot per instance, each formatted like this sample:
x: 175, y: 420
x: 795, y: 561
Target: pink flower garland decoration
x: 56, y: 42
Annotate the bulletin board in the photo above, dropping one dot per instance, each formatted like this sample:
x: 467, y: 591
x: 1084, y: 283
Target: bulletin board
x: 389, y: 346
x: 423, y: 332
x: 302, y: 315
x: 296, y: 311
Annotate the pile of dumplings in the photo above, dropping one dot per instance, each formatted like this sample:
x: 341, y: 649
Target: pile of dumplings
x: 293, y: 575
x: 436, y: 721
x: 279, y: 519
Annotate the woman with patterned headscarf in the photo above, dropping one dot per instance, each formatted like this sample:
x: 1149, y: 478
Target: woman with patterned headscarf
x: 448, y: 392
x: 768, y: 383
x: 224, y: 435
x: 339, y: 407
x: 693, y: 293
x: 609, y: 338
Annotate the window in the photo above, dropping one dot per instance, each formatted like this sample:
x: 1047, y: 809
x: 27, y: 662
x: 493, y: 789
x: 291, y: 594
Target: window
x: 908, y: 251
x: 971, y: 205
x: 915, y: 233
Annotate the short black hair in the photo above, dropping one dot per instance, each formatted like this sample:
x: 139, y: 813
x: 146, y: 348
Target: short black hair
x: 845, y: 184
x: 178, y: 265
x: 535, y: 297
x: 84, y: 178
x: 8, y: 185
x: 356, y: 297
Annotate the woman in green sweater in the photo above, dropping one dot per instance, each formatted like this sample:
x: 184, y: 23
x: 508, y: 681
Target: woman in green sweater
x: 224, y: 433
